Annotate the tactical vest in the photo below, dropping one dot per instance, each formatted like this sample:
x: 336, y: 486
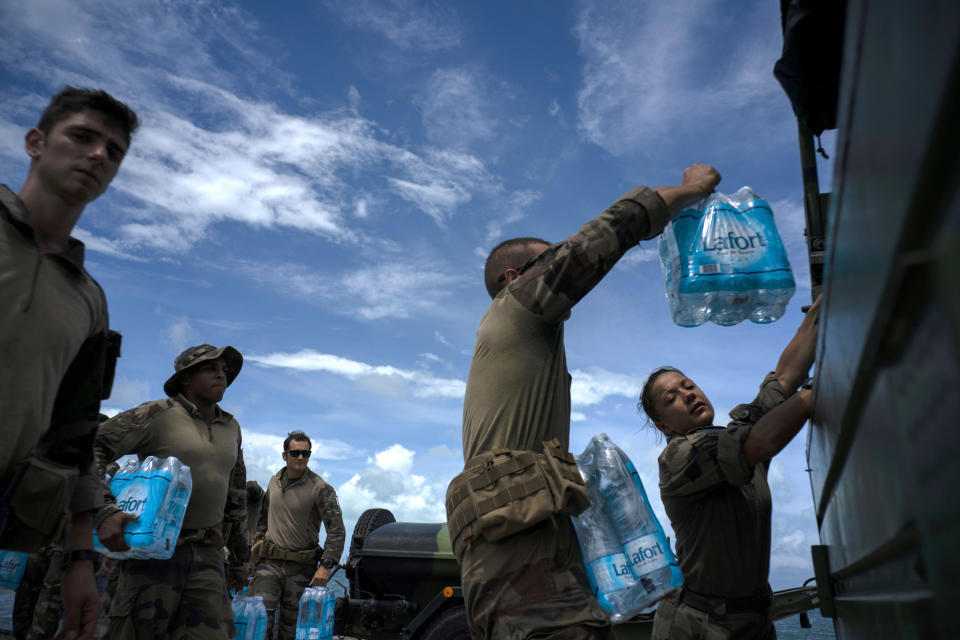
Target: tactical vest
x: 503, y: 492
x: 34, y: 505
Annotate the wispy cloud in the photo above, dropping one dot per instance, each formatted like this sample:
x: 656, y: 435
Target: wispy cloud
x: 594, y: 385
x: 209, y: 151
x: 383, y: 378
x: 408, y: 25
x: 456, y: 106
x: 398, y: 289
x: 645, y: 80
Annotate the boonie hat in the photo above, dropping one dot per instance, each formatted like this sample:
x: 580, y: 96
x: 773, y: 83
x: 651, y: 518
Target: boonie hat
x: 202, y: 353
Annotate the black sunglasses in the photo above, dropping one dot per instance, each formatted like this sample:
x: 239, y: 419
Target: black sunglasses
x: 298, y: 453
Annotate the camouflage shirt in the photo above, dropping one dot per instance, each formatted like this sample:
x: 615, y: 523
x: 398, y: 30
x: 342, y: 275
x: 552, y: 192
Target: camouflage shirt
x: 52, y: 310
x: 719, y: 504
x: 292, y: 510
x: 174, y: 427
x: 518, y: 390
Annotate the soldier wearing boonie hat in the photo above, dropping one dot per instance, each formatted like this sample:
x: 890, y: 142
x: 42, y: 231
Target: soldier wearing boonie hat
x: 185, y: 596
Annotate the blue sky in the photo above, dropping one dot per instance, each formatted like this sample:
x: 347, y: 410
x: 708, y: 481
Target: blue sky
x: 318, y: 184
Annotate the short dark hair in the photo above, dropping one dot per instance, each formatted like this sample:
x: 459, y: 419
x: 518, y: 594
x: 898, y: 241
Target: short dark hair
x: 645, y: 403
x: 299, y: 436
x: 509, y: 254
x: 71, y: 100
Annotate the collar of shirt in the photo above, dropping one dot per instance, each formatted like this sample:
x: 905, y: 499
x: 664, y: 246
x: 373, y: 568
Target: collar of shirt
x: 691, y: 432
x: 15, y: 212
x: 220, y: 415
x: 286, y: 481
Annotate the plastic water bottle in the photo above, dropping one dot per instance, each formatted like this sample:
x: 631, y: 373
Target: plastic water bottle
x: 618, y: 492
x: 249, y: 617
x: 158, y: 491
x: 608, y: 570
x: 12, y: 566
x: 315, y: 616
x: 725, y: 262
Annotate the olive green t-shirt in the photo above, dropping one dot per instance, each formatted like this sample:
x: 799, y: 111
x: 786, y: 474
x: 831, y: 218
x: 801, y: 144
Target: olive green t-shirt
x: 719, y: 504
x: 49, y: 307
x: 518, y: 390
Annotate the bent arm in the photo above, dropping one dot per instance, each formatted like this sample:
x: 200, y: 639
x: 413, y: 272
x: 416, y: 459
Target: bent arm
x: 777, y: 428
x: 332, y: 518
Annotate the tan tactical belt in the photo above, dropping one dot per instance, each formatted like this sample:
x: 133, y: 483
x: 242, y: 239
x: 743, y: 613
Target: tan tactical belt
x: 270, y: 551
x: 503, y: 492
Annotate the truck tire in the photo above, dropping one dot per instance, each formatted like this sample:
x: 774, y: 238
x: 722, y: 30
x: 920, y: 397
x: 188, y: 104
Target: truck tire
x: 449, y: 625
x: 370, y: 520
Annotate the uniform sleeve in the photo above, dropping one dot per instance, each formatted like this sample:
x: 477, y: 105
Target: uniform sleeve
x: 235, y: 514
x: 120, y: 435
x: 332, y: 517
x: 264, y: 514
x: 563, y: 274
x: 73, y: 422
x: 770, y: 395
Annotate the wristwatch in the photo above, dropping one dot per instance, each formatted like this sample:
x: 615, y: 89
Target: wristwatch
x: 327, y: 563
x: 81, y: 554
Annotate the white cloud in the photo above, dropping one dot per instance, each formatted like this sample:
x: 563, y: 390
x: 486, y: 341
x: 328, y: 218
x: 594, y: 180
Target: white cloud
x: 406, y: 24
x: 205, y: 155
x: 381, y: 378
x: 386, y: 290
x: 553, y: 108
x: 389, y: 484
x: 594, y: 385
x: 103, y: 245
x: 129, y: 393
x: 635, y: 256
x: 645, y: 79
x: 181, y: 334
x: 577, y: 416
x: 455, y: 107
x: 515, y: 208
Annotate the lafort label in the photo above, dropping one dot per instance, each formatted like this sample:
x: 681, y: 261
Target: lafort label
x: 732, y: 242
x: 646, y: 554
x: 612, y: 573
x: 133, y: 499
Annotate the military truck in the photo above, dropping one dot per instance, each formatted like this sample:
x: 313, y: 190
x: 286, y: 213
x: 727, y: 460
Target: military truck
x: 404, y: 583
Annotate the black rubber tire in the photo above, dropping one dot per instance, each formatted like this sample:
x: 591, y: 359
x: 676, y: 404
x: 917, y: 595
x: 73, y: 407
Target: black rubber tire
x: 449, y: 625
x: 370, y: 520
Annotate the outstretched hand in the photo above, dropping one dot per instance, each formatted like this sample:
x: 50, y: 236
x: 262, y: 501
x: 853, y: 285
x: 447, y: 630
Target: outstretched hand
x: 797, y: 358
x: 701, y: 177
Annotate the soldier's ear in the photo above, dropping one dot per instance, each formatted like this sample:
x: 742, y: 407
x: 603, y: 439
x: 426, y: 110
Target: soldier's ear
x: 510, y: 275
x: 34, y: 143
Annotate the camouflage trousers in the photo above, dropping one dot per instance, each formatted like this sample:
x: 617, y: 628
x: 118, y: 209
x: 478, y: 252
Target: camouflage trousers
x: 38, y: 605
x: 182, y: 598
x: 531, y: 585
x: 677, y: 621
x: 281, y: 583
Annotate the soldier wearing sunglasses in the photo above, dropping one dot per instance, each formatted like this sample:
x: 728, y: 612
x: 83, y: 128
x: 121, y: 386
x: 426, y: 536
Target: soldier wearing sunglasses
x: 296, y: 502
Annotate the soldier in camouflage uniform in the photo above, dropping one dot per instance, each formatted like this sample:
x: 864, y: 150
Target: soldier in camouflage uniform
x: 713, y: 482
x: 296, y: 502
x: 54, y: 334
x: 185, y: 596
x: 532, y: 583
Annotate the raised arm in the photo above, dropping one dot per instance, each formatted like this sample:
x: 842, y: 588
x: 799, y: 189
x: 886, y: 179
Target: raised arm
x: 778, y: 426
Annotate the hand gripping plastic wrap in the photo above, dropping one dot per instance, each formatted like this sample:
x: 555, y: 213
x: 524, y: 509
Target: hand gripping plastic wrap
x: 724, y: 262
x: 315, y: 616
x: 629, y: 564
x: 157, y: 491
x: 249, y: 617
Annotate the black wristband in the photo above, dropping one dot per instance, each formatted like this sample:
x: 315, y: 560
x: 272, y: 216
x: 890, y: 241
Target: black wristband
x: 81, y: 554
x: 327, y: 563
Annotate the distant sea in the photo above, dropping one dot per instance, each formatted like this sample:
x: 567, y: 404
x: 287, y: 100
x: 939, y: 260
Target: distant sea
x: 820, y: 628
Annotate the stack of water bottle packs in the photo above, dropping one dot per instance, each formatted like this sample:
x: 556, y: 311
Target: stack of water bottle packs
x: 12, y: 566
x: 628, y: 560
x: 315, y: 616
x: 158, y: 491
x: 724, y: 262
x: 249, y: 617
